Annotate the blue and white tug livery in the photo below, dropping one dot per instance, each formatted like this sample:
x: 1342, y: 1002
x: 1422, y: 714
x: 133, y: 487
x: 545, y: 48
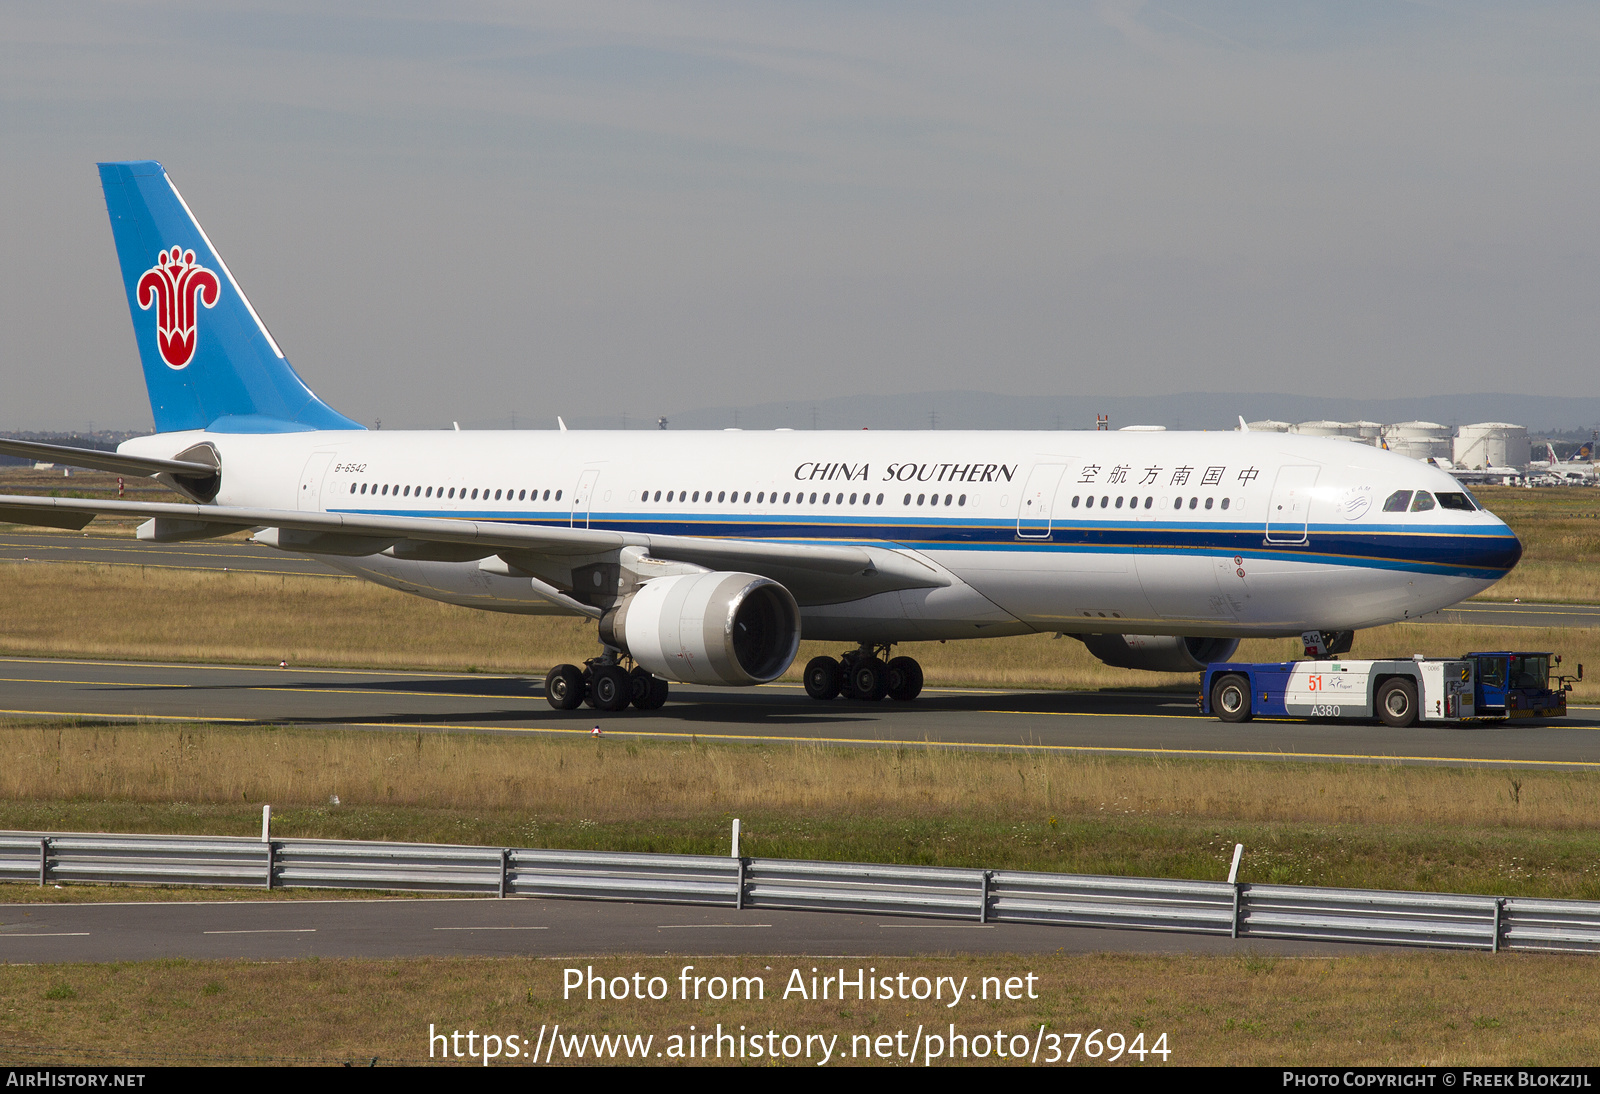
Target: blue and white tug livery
x: 707, y: 556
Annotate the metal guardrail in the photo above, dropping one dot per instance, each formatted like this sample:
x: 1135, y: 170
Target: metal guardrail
x: 1236, y: 909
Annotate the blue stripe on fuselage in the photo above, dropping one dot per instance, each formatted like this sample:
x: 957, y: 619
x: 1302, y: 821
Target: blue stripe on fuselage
x: 1452, y: 550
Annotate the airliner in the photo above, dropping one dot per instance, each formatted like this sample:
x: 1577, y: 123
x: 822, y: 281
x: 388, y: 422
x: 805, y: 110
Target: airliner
x: 705, y: 557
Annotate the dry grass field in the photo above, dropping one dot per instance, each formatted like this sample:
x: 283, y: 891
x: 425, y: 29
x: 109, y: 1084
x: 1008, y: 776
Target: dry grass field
x: 1402, y: 1009
x: 1367, y: 826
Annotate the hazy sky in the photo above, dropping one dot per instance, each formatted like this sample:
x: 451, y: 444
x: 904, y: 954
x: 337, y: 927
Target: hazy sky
x: 464, y: 211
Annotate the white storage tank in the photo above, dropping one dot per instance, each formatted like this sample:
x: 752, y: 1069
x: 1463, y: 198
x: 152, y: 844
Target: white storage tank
x: 1369, y: 432
x: 1269, y: 425
x: 1492, y: 444
x: 1419, y: 440
x: 1325, y: 429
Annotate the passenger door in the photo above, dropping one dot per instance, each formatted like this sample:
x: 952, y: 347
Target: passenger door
x: 1036, y: 509
x: 1289, y: 511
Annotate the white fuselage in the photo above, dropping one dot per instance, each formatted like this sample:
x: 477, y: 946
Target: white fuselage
x: 1225, y: 534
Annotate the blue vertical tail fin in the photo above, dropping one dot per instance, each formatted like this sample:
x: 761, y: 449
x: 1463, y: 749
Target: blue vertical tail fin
x: 209, y: 362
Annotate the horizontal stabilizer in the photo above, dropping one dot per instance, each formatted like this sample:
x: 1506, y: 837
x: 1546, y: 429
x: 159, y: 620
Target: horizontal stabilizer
x: 96, y: 459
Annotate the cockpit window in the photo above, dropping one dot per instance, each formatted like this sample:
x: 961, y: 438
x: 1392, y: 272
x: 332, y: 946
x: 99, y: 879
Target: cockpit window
x: 1397, y: 502
x: 1455, y: 501
x: 1422, y: 502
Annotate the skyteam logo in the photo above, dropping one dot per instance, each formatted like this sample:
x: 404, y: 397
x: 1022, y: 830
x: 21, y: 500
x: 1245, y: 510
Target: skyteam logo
x: 173, y: 286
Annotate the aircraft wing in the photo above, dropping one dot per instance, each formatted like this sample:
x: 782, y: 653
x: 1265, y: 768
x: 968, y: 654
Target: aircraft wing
x: 814, y: 573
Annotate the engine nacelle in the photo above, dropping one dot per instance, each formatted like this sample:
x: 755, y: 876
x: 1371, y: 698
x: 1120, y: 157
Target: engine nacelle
x: 1159, y: 652
x: 726, y: 629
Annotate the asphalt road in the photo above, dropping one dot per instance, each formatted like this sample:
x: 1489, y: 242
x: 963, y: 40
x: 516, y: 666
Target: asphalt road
x: 281, y: 929
x: 1161, y: 723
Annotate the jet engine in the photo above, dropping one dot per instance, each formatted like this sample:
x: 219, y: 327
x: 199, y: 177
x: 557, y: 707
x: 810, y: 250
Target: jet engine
x: 1159, y: 652
x: 726, y: 629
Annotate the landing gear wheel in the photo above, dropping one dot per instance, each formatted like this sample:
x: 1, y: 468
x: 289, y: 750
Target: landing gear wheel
x: 1397, y: 703
x: 1230, y: 699
x: 609, y: 688
x: 564, y: 688
x: 646, y: 691
x: 866, y: 680
x: 822, y: 678
x: 905, y: 679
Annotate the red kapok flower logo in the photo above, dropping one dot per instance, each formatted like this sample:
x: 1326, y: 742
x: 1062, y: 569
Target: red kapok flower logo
x: 173, y: 286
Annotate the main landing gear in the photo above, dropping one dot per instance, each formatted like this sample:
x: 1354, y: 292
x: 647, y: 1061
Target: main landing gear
x: 863, y: 675
x: 604, y: 685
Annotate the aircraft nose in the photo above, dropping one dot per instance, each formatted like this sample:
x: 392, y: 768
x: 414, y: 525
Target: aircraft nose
x: 1499, y: 551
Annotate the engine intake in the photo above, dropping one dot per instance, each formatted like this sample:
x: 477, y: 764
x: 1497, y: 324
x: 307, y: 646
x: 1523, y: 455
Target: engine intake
x: 1159, y: 652
x: 727, y: 629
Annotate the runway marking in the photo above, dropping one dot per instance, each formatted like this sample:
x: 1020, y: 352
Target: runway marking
x: 270, y: 930
x: 877, y: 742
x: 47, y: 934
x: 184, y: 569
x: 132, y: 717
x: 882, y: 742
x: 491, y: 928
x: 691, y: 926
x: 257, y: 668
x: 936, y: 926
x: 248, y: 687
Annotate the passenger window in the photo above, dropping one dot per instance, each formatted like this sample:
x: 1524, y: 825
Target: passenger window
x: 1193, y: 502
x: 1422, y: 502
x: 720, y: 495
x: 1074, y: 501
x: 962, y: 500
x: 1397, y: 501
x: 1119, y: 502
x: 522, y: 495
x: 1225, y: 502
x: 880, y: 499
x: 696, y: 496
x: 747, y: 497
x: 947, y: 498
x: 558, y: 494
x: 908, y: 499
x: 852, y: 499
x: 1148, y: 502
x: 921, y: 498
x: 934, y: 500
x: 825, y: 498
x: 1208, y: 502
